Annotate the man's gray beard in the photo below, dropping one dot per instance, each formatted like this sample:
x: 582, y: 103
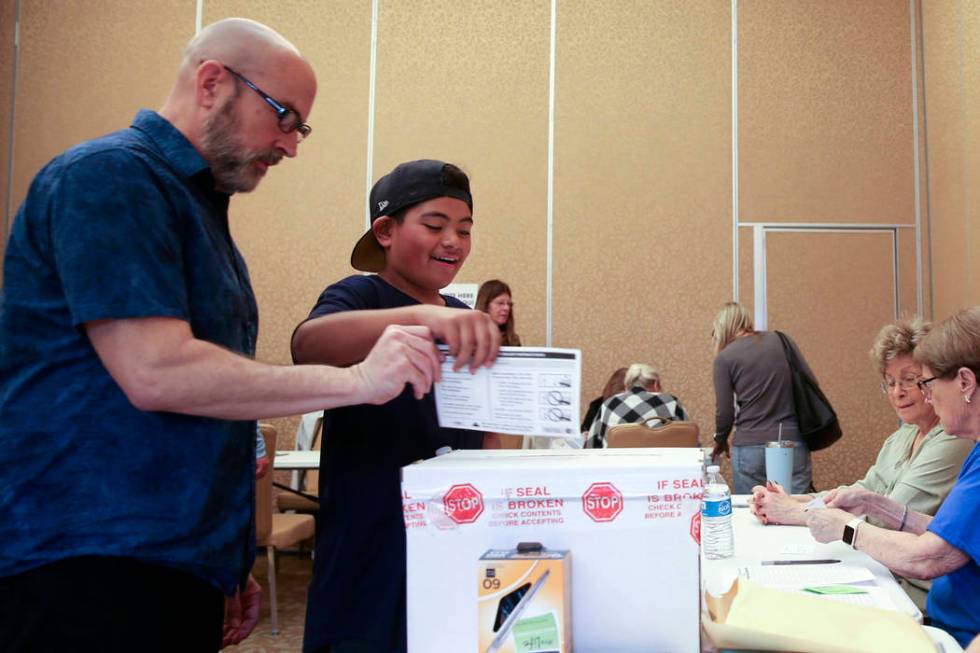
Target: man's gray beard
x: 226, y: 156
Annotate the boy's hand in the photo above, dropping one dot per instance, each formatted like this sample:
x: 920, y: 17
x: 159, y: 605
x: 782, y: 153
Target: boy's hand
x: 471, y: 336
x: 403, y: 354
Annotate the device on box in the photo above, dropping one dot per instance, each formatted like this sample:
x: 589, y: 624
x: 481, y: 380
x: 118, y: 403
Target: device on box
x: 524, y: 597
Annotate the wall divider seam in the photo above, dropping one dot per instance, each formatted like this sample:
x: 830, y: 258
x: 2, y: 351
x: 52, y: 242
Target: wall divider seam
x: 372, y: 87
x: 916, y: 160
x: 550, y: 203
x: 925, y: 247
x: 735, y: 209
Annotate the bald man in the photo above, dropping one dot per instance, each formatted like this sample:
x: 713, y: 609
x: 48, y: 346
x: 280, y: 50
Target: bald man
x: 128, y: 389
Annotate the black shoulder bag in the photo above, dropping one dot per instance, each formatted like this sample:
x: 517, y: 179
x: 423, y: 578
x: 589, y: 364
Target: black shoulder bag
x: 817, y: 419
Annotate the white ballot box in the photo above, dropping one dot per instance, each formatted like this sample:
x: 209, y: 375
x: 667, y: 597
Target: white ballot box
x: 629, y: 519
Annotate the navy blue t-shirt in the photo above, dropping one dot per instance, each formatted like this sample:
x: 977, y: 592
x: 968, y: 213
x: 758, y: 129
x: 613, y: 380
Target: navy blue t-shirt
x: 126, y: 226
x: 358, y: 587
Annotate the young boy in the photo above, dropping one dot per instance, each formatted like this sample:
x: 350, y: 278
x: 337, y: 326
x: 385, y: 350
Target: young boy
x: 421, y: 216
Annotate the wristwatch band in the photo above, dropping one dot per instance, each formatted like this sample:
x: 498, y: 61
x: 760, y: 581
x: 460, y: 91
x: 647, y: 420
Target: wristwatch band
x: 850, y: 532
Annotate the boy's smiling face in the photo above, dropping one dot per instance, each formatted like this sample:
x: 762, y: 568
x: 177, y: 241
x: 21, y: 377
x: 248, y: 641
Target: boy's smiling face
x: 427, y: 248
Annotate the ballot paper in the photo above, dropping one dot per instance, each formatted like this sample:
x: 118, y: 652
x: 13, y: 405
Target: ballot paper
x: 527, y: 391
x: 797, y: 549
x: 798, y: 576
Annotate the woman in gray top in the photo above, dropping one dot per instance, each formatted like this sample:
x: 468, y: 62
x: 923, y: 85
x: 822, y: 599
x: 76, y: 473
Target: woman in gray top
x: 751, y: 372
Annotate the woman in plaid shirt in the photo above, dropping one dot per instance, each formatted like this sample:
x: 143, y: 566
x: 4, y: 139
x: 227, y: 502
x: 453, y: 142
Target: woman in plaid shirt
x: 641, y: 403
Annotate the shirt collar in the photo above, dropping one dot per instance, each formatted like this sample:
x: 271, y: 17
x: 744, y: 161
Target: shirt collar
x: 176, y: 149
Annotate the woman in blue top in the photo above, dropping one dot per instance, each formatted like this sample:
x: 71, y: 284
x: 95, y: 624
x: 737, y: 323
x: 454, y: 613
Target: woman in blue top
x: 945, y: 547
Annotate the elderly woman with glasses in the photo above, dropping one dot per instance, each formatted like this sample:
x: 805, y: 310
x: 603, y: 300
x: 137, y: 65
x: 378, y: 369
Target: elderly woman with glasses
x: 917, y: 464
x: 946, y: 547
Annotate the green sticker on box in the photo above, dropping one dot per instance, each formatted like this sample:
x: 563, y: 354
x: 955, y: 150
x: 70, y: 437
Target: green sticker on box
x: 538, y: 633
x: 835, y: 589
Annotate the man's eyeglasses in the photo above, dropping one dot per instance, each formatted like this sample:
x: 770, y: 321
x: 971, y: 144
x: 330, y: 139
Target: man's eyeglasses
x: 924, y: 385
x: 905, y: 383
x: 289, y: 120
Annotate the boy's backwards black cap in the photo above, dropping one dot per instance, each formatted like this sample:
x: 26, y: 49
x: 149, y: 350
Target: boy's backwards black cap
x: 408, y: 184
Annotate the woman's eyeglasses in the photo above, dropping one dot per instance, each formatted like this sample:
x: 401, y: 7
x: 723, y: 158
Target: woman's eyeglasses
x: 924, y: 386
x: 905, y: 383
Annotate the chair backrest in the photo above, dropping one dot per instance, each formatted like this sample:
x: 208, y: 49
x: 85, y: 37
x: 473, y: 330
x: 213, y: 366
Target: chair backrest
x: 263, y: 490
x: 672, y: 434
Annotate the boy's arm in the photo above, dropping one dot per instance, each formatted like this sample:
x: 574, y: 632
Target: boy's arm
x: 345, y: 337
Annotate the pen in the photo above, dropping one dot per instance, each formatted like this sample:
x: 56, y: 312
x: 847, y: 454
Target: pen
x: 799, y: 562
x: 518, y: 609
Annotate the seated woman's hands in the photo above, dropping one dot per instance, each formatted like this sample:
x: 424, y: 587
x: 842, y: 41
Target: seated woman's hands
x: 827, y: 525
x: 772, y: 505
x: 851, y: 499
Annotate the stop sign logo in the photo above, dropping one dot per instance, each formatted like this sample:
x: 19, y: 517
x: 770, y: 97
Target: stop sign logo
x: 463, y: 503
x: 602, y: 502
x: 696, y: 526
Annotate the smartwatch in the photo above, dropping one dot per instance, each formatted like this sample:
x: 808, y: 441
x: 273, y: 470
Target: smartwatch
x: 851, y: 531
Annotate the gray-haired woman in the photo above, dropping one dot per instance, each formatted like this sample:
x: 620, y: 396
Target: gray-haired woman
x: 946, y: 547
x: 917, y: 464
x: 643, y: 401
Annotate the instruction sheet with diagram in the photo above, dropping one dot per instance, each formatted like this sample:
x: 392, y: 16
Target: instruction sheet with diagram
x: 528, y: 391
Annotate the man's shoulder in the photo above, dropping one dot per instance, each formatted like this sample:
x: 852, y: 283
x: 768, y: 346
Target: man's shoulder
x: 120, y: 148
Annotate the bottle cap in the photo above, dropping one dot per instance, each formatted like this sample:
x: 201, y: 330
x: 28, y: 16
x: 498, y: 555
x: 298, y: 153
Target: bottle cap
x: 713, y: 469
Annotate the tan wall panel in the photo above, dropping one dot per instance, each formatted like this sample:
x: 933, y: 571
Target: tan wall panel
x: 86, y: 68
x: 643, y: 189
x: 907, y: 280
x: 468, y: 83
x: 297, y: 229
x: 825, y: 120
x: 8, y: 14
x: 833, y: 312
x: 948, y: 29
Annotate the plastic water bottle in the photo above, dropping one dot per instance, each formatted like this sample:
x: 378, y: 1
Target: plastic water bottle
x: 716, y: 517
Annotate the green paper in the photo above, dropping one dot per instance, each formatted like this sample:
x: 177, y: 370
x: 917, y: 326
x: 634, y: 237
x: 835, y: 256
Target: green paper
x: 538, y: 633
x: 835, y: 589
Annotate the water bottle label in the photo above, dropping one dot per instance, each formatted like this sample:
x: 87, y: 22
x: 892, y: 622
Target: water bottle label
x: 719, y: 508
